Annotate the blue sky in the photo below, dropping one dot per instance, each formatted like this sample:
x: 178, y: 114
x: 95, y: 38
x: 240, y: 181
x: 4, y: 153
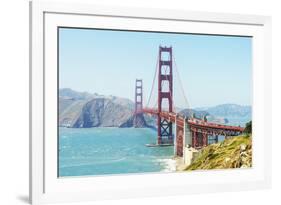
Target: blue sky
x: 214, y: 69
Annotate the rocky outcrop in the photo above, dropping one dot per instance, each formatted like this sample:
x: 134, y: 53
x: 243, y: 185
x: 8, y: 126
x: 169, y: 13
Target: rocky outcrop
x: 245, y: 159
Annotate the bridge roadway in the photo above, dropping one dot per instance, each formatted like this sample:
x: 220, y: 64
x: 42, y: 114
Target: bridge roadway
x: 174, y: 117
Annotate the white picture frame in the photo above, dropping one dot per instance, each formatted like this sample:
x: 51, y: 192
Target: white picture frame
x: 46, y: 187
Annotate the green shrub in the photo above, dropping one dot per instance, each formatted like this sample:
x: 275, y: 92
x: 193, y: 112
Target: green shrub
x: 248, y: 128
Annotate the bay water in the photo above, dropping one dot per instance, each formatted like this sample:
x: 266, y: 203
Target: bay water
x: 102, y: 151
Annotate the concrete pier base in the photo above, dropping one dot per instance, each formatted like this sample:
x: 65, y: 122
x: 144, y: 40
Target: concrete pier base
x: 189, y: 154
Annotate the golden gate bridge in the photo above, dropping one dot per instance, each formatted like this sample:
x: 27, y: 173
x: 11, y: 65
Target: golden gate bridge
x: 189, y: 131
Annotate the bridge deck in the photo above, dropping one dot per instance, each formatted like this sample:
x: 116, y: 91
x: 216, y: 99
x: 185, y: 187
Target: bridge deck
x: 174, y: 117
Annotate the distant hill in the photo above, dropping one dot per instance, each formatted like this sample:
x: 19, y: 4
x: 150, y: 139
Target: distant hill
x: 228, y: 110
x: 191, y: 112
x: 200, y: 114
x: 233, y: 113
x: 72, y: 94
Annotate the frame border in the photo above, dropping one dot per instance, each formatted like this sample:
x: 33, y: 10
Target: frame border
x: 36, y: 74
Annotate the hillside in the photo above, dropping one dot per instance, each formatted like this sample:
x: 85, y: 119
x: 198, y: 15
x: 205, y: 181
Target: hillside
x: 201, y: 114
x: 82, y: 109
x: 230, y: 113
x: 103, y: 112
x: 190, y: 112
x: 235, y: 152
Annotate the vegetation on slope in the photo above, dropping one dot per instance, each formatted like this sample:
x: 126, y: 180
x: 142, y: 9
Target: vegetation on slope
x: 235, y: 152
x: 248, y: 128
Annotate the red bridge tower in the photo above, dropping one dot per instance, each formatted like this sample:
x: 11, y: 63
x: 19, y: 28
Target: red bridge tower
x: 138, y: 115
x: 165, y: 76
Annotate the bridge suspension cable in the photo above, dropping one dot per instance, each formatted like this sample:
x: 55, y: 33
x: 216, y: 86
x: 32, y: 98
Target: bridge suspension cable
x: 153, y: 83
x: 181, y: 85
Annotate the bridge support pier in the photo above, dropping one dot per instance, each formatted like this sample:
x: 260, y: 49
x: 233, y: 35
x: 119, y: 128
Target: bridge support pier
x: 202, y: 137
x: 179, y: 141
x: 183, y: 138
x: 194, y: 139
x: 199, y: 138
x: 205, y: 138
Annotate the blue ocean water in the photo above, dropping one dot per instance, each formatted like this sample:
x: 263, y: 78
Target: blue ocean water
x: 100, y: 151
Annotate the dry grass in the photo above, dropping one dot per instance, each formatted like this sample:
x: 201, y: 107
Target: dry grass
x: 235, y: 152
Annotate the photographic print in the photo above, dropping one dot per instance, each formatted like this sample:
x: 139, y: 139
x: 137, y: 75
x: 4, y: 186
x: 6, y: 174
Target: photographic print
x: 133, y: 102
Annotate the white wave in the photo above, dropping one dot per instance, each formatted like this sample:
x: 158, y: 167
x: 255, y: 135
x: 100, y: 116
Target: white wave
x: 169, y: 164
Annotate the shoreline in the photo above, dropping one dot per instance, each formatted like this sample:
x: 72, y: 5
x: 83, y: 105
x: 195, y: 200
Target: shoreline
x: 180, y: 166
x: 174, y: 164
x: 169, y: 164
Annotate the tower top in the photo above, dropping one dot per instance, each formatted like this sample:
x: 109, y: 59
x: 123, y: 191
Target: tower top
x: 165, y: 49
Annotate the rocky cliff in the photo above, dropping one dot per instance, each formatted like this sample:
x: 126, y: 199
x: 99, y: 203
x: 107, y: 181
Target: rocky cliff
x: 103, y: 112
